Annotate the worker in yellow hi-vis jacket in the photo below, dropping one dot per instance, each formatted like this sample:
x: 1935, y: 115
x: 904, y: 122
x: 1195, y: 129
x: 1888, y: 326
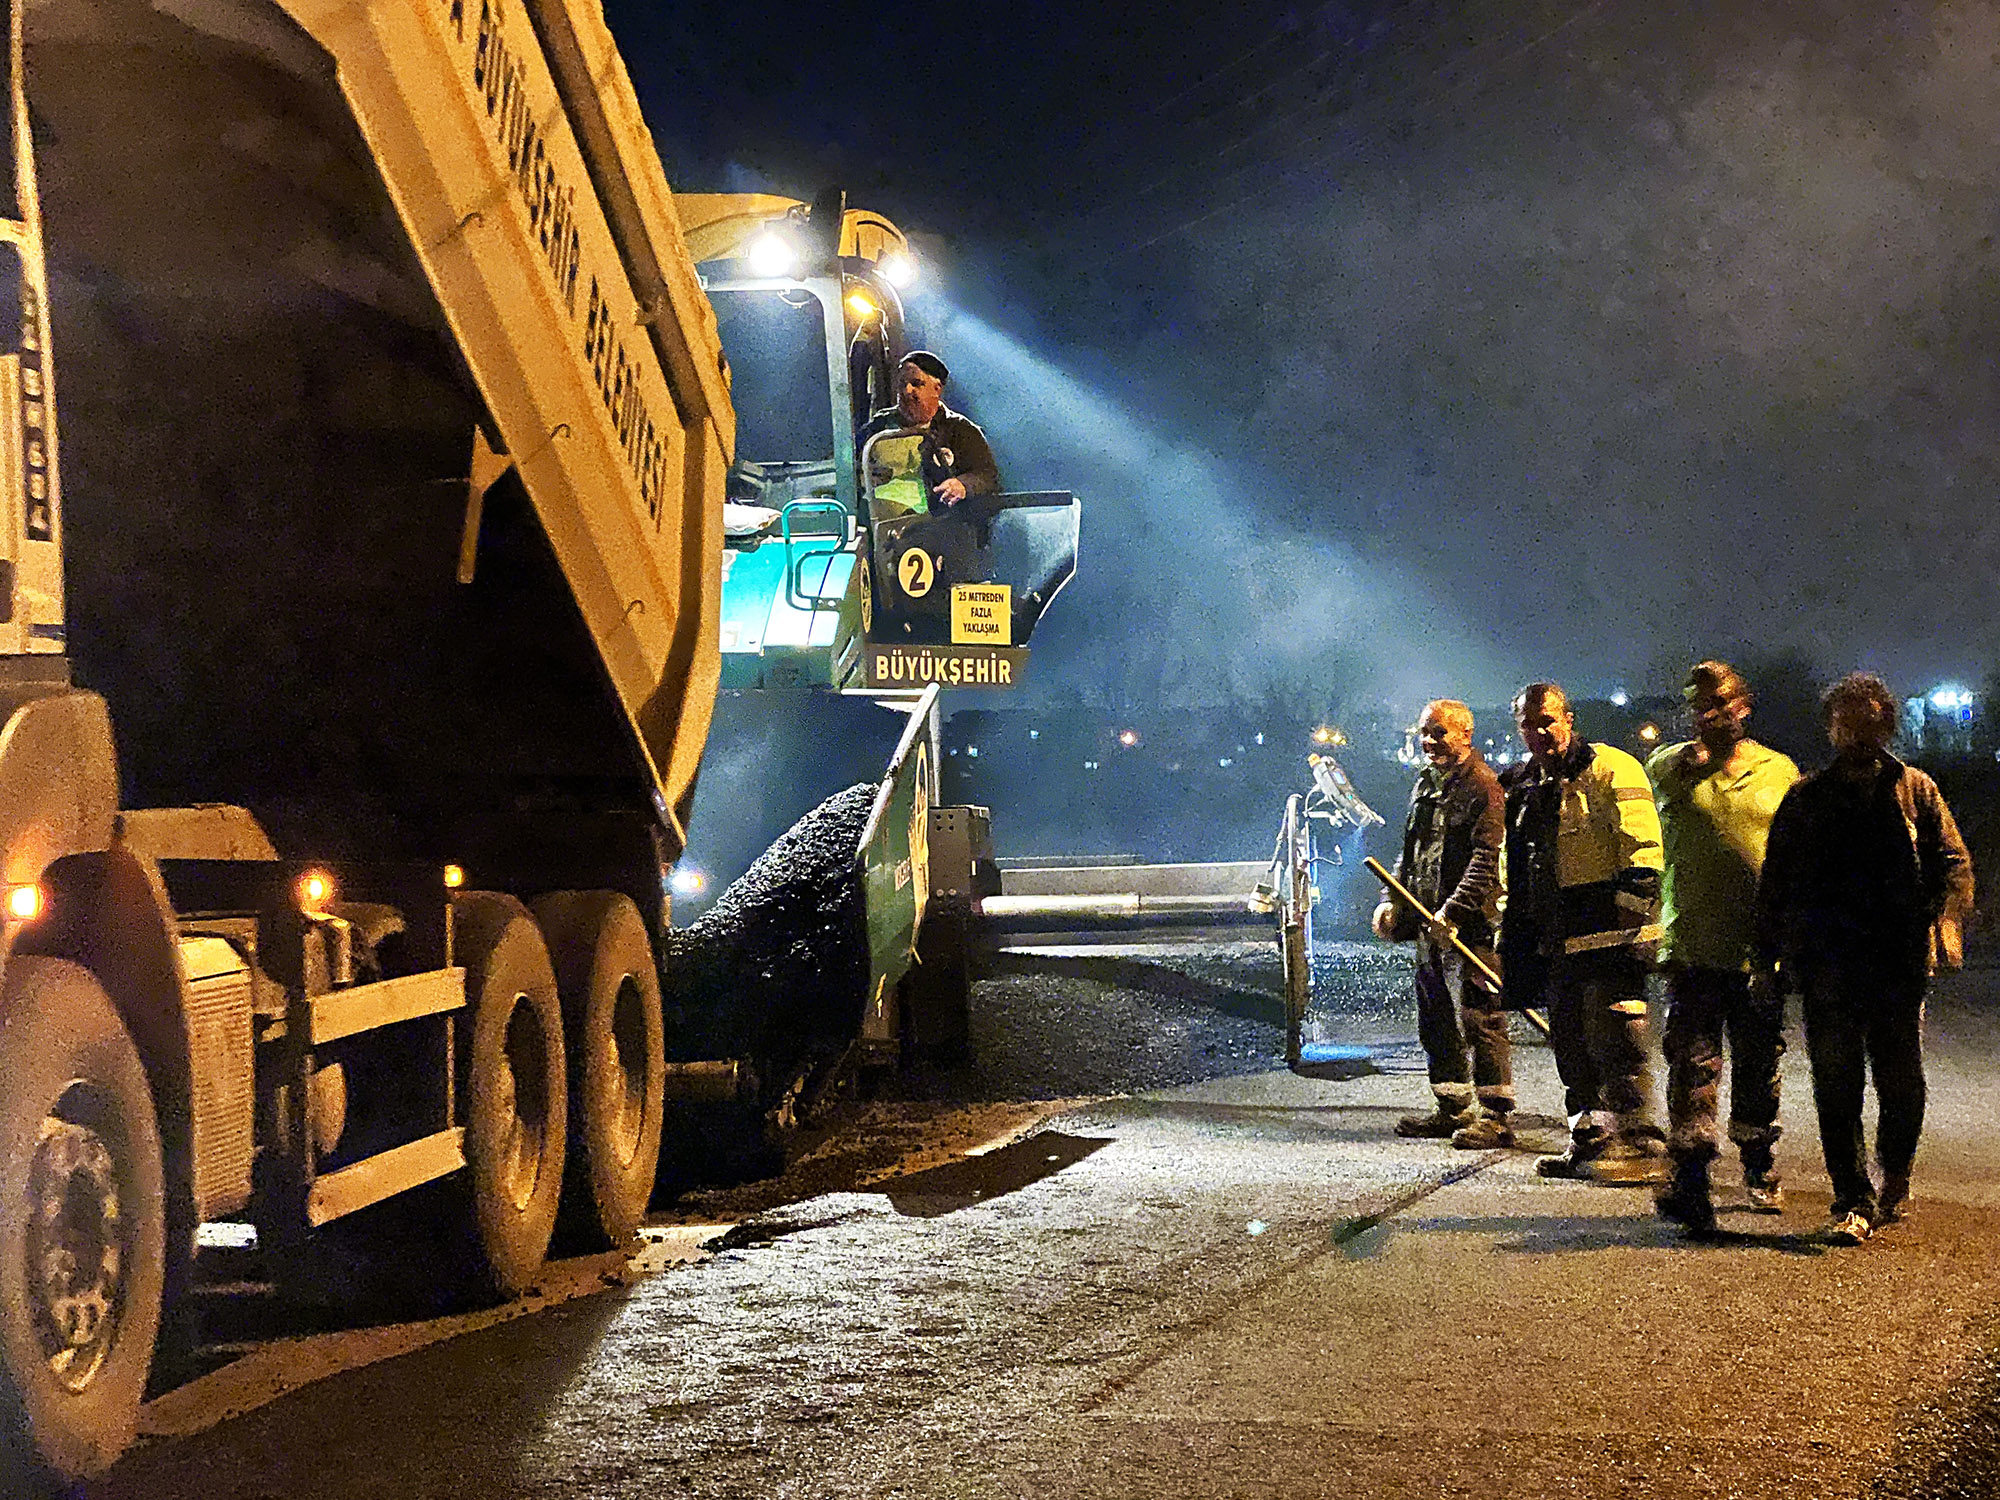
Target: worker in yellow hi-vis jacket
x: 1583, y: 888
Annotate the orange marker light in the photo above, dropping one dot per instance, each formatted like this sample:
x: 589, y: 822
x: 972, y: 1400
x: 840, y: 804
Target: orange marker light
x: 24, y: 902
x: 315, y: 890
x: 454, y: 877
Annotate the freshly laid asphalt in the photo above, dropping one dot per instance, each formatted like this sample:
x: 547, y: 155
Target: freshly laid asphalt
x: 1241, y: 1287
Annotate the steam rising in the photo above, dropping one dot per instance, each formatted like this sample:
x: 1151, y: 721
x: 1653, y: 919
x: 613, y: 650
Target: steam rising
x: 1189, y: 591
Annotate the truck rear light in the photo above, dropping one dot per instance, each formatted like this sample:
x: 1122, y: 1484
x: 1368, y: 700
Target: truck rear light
x: 454, y: 877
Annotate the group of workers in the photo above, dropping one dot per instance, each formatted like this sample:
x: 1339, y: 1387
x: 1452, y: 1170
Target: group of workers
x: 1558, y: 882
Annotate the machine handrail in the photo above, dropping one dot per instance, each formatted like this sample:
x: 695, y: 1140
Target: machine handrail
x: 795, y: 596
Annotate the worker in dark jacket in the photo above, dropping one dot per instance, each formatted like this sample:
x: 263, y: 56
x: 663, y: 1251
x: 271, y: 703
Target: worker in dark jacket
x: 954, y: 459
x: 1582, y: 871
x: 1451, y: 863
x: 1865, y: 888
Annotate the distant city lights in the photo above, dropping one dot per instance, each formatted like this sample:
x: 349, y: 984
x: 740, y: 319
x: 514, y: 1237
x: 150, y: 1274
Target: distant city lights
x: 1951, y: 697
x: 1649, y: 732
x: 1619, y: 699
x: 1128, y: 737
x: 687, y: 882
x: 1327, y: 735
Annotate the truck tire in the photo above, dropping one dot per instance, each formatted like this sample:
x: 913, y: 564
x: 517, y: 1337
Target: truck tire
x: 514, y: 1086
x: 616, y: 1041
x: 82, y: 1227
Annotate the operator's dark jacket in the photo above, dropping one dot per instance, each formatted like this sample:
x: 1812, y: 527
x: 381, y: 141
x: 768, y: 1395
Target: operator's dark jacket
x: 1871, y: 873
x: 1451, y: 850
x: 954, y: 448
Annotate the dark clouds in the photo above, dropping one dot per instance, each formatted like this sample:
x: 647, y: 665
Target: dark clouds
x: 1683, y: 342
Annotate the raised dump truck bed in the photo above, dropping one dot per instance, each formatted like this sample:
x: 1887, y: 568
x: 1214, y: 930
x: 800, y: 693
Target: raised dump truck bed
x: 396, y: 428
x: 314, y: 267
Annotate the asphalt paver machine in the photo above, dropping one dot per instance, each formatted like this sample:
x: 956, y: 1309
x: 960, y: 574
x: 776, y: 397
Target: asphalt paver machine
x: 1063, y: 902
x: 827, y: 581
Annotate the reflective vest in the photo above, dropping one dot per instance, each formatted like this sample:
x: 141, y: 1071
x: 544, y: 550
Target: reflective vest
x: 1583, y: 850
x: 1609, y: 823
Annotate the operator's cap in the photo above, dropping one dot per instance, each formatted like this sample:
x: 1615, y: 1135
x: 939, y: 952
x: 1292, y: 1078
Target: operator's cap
x: 928, y: 362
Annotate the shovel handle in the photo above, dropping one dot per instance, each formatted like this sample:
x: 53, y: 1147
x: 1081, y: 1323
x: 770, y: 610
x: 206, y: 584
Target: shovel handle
x: 1402, y: 893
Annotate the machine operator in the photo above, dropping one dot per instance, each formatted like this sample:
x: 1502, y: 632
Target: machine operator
x: 952, y: 461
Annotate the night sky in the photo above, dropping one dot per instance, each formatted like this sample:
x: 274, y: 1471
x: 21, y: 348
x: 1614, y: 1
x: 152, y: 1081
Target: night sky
x: 1413, y: 349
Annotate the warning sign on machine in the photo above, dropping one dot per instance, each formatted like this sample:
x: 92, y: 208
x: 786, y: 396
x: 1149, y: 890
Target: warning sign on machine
x: 982, y: 614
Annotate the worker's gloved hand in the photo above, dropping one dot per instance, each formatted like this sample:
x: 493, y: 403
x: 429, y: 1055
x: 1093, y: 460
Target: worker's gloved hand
x: 1442, y: 931
x: 1384, y: 922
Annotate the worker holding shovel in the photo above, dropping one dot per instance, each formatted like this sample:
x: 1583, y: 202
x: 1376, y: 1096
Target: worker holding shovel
x: 1451, y: 864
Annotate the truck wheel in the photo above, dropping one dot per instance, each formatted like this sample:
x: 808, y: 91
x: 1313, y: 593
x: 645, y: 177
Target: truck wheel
x: 82, y: 1225
x: 510, y: 1045
x: 616, y: 1040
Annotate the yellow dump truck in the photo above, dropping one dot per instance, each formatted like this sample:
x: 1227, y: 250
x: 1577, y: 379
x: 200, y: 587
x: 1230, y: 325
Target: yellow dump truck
x: 396, y: 428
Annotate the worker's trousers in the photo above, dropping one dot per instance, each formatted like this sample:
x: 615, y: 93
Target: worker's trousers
x: 1464, y: 1033
x: 1863, y: 1018
x: 1704, y: 1006
x: 1597, y: 1029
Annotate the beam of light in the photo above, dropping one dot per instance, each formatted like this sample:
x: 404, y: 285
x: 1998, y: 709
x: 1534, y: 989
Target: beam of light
x: 1192, y: 586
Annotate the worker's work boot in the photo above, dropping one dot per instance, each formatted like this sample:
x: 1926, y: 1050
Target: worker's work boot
x: 1761, y: 1183
x: 1765, y: 1190
x: 1575, y: 1160
x: 1686, y: 1199
x: 1490, y: 1132
x: 1893, y: 1201
x: 1847, y: 1225
x: 1441, y: 1124
x: 1631, y: 1161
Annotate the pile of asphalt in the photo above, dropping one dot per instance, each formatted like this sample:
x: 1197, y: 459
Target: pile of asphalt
x: 776, y: 971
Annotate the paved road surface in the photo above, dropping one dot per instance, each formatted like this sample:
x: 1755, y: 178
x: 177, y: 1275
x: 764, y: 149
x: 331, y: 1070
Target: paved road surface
x: 1241, y: 1287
